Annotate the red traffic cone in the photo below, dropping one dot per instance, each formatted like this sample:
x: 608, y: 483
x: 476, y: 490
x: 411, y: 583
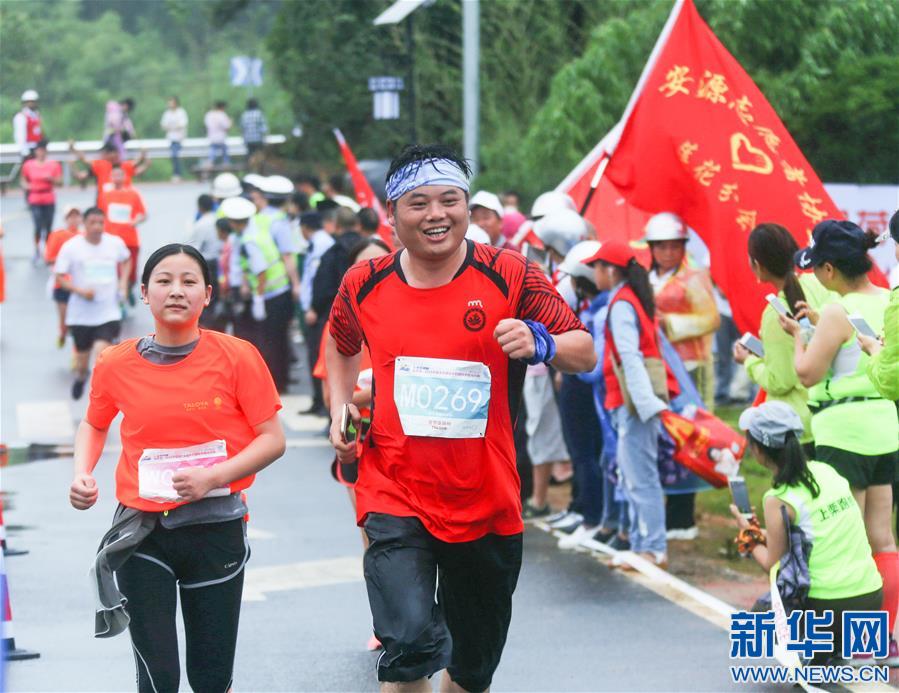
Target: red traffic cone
x: 6, y: 550
x: 10, y: 652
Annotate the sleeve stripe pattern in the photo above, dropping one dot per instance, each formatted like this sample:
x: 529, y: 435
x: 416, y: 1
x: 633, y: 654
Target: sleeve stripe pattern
x: 542, y: 303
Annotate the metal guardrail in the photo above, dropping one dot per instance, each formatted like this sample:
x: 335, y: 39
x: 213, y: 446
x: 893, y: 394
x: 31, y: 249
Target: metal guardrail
x: 191, y: 148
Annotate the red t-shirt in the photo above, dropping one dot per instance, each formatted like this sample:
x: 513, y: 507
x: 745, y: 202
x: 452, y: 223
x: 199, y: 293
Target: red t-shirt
x: 39, y: 175
x: 221, y: 390
x: 121, y: 207
x: 460, y: 488
x: 102, y: 170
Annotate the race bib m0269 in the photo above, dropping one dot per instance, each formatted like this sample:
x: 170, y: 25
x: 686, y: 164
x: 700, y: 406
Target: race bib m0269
x: 441, y: 398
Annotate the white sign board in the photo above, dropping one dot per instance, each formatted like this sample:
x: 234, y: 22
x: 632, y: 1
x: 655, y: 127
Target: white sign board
x: 871, y: 206
x: 246, y: 71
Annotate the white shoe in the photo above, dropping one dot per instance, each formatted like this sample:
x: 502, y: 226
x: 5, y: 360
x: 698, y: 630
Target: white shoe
x: 569, y: 519
x: 688, y: 534
x: 577, y: 537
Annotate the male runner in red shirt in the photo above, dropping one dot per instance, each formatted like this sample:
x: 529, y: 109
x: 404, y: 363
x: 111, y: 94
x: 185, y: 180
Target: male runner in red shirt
x: 451, y: 325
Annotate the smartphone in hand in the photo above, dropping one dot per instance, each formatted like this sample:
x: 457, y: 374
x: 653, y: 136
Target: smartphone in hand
x: 347, y: 431
x: 778, y: 305
x: 753, y: 344
x: 861, y: 325
x: 740, y: 495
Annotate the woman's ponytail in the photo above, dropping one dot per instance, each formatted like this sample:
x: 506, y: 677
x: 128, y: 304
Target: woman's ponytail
x: 773, y: 247
x: 638, y: 279
x: 792, y: 468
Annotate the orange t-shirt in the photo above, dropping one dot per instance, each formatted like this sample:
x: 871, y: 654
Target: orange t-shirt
x: 121, y: 207
x: 102, y: 170
x: 55, y: 241
x: 221, y: 390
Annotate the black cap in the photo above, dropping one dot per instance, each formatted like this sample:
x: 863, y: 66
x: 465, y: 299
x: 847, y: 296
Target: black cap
x: 894, y: 226
x: 312, y: 220
x: 831, y: 241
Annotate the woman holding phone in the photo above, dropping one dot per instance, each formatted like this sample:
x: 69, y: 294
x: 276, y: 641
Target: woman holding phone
x: 771, y: 251
x: 199, y: 420
x: 842, y: 573
x: 856, y: 430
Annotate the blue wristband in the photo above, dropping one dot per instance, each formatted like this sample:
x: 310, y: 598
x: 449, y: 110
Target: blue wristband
x: 544, y: 344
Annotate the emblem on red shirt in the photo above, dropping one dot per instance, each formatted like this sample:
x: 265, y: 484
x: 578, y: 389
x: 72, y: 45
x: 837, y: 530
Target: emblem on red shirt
x: 475, y: 317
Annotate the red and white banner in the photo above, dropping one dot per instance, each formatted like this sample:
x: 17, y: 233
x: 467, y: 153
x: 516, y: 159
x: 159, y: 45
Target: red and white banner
x: 698, y: 138
x: 365, y: 196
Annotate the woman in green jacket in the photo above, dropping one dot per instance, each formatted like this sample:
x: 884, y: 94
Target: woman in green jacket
x: 883, y: 368
x: 771, y: 251
x: 842, y: 572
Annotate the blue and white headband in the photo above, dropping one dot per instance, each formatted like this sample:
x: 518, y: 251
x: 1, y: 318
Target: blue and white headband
x: 427, y: 172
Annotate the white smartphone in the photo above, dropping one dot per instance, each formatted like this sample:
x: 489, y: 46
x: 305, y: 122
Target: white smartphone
x: 778, y: 305
x: 861, y: 325
x: 740, y: 494
x: 753, y: 344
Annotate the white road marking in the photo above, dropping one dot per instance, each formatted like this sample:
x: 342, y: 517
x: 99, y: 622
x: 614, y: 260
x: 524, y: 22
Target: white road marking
x: 45, y: 422
x: 253, y: 533
x: 308, y: 443
x: 298, y: 576
x: 300, y: 423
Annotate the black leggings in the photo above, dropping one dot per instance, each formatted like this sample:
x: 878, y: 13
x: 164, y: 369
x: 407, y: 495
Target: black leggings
x: 42, y: 215
x: 149, y: 580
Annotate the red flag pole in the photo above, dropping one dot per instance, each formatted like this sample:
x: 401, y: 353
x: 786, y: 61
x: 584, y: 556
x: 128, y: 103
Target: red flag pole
x: 365, y: 196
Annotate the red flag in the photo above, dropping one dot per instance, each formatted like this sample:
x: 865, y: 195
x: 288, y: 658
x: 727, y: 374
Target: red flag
x: 699, y: 139
x: 365, y: 196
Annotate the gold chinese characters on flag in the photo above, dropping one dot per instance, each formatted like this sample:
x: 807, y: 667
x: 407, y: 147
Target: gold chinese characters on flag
x: 703, y: 142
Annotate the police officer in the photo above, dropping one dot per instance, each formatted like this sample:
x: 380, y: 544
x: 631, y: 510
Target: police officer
x: 258, y: 273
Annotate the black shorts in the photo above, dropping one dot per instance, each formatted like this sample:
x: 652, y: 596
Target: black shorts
x: 464, y: 629
x: 861, y: 471
x: 198, y: 555
x: 86, y: 335
x: 61, y: 295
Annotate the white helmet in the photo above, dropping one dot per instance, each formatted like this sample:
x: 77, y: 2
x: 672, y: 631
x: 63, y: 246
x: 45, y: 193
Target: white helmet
x: 477, y: 234
x: 573, y: 264
x: 274, y: 186
x: 560, y: 230
x: 550, y: 202
x: 665, y: 226
x: 254, y: 180
x: 226, y: 185
x: 29, y: 95
x: 237, y: 208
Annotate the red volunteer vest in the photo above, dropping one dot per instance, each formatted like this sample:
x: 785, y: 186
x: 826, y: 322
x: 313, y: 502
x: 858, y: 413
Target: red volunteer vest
x: 649, y: 347
x: 32, y: 128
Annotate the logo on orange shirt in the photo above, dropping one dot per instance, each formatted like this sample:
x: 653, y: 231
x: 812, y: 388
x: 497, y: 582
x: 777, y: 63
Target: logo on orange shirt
x: 196, y: 406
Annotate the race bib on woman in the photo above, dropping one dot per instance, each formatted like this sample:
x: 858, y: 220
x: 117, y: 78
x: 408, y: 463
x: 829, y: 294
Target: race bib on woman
x: 441, y: 398
x: 157, y: 466
x: 119, y: 213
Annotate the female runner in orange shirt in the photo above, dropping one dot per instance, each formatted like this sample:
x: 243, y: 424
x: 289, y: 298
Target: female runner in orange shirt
x: 200, y: 419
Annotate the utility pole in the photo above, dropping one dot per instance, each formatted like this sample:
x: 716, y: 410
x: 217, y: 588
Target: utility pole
x: 471, y: 47
x: 410, y: 52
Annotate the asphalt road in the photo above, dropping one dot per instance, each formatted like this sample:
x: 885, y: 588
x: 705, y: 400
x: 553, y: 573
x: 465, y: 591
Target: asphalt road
x: 577, y: 626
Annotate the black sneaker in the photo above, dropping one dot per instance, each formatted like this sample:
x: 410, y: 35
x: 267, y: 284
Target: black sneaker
x: 604, y: 536
x: 619, y: 544
x: 529, y: 512
x: 77, y: 389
